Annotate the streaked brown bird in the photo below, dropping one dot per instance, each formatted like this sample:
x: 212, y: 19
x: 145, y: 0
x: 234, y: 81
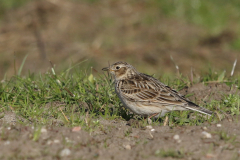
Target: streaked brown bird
x: 147, y: 96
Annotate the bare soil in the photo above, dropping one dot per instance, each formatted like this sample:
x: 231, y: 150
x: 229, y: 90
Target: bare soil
x: 205, y: 93
x: 117, y: 140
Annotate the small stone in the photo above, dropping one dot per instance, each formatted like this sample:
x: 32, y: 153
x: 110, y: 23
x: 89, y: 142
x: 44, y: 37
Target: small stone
x: 65, y: 152
x: 68, y: 140
x: 56, y: 141
x: 7, y: 143
x: 176, y: 137
x: 8, y: 128
x: 49, y: 142
x: 76, y: 129
x: 206, y: 134
x: 152, y: 130
x: 219, y: 125
x: 209, y: 155
x: 128, y: 147
x: 205, y: 128
x: 43, y: 130
x: 149, y: 127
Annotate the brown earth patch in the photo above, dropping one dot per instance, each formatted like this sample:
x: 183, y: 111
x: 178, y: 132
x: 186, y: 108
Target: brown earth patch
x: 116, y: 140
x: 202, y: 93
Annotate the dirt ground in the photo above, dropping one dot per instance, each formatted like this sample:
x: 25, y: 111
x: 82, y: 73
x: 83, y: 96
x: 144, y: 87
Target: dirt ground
x: 120, y: 139
x: 205, y: 93
x: 112, y: 142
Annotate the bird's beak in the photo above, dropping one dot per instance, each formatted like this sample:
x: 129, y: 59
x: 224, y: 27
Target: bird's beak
x: 106, y: 69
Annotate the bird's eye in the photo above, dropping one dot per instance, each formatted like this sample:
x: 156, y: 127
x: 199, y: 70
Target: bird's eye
x: 117, y: 67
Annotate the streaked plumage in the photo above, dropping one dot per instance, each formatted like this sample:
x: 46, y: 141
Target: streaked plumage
x: 145, y: 95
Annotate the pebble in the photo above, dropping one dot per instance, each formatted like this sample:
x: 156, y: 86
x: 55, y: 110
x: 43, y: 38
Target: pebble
x: 149, y: 127
x: 206, y: 134
x: 68, y: 140
x: 76, y: 129
x: 209, y: 155
x: 152, y: 130
x: 65, y: 152
x: 43, y: 130
x: 205, y: 128
x: 8, y: 128
x: 176, y: 137
x: 49, y: 142
x: 56, y: 141
x: 128, y: 147
x: 219, y: 125
x: 7, y: 143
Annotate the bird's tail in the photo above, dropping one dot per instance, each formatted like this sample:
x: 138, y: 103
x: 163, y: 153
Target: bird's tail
x: 192, y: 106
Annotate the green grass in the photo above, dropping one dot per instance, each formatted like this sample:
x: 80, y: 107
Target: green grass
x: 170, y: 153
x: 226, y: 137
x: 76, y: 97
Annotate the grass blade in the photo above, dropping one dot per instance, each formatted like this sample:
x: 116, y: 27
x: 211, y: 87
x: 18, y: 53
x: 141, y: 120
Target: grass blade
x: 21, y: 67
x: 234, y: 65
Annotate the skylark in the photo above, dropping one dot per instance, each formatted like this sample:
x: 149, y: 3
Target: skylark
x: 147, y: 96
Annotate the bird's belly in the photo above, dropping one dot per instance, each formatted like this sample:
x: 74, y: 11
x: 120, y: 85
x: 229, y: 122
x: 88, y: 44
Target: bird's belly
x: 147, y: 108
x: 143, y: 109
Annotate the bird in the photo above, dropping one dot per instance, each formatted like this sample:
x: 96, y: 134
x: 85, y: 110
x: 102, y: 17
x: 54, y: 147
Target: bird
x: 145, y: 95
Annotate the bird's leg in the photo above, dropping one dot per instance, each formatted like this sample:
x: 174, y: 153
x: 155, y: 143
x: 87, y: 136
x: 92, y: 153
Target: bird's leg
x: 153, y: 115
x: 149, y: 118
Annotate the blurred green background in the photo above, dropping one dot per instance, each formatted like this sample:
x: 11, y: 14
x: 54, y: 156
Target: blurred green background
x: 146, y: 33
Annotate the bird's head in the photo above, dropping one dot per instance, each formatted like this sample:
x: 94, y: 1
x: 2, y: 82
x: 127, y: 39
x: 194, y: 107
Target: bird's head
x: 121, y: 70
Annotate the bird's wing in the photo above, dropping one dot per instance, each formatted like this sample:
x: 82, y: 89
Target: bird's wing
x: 144, y: 88
x: 148, y: 89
